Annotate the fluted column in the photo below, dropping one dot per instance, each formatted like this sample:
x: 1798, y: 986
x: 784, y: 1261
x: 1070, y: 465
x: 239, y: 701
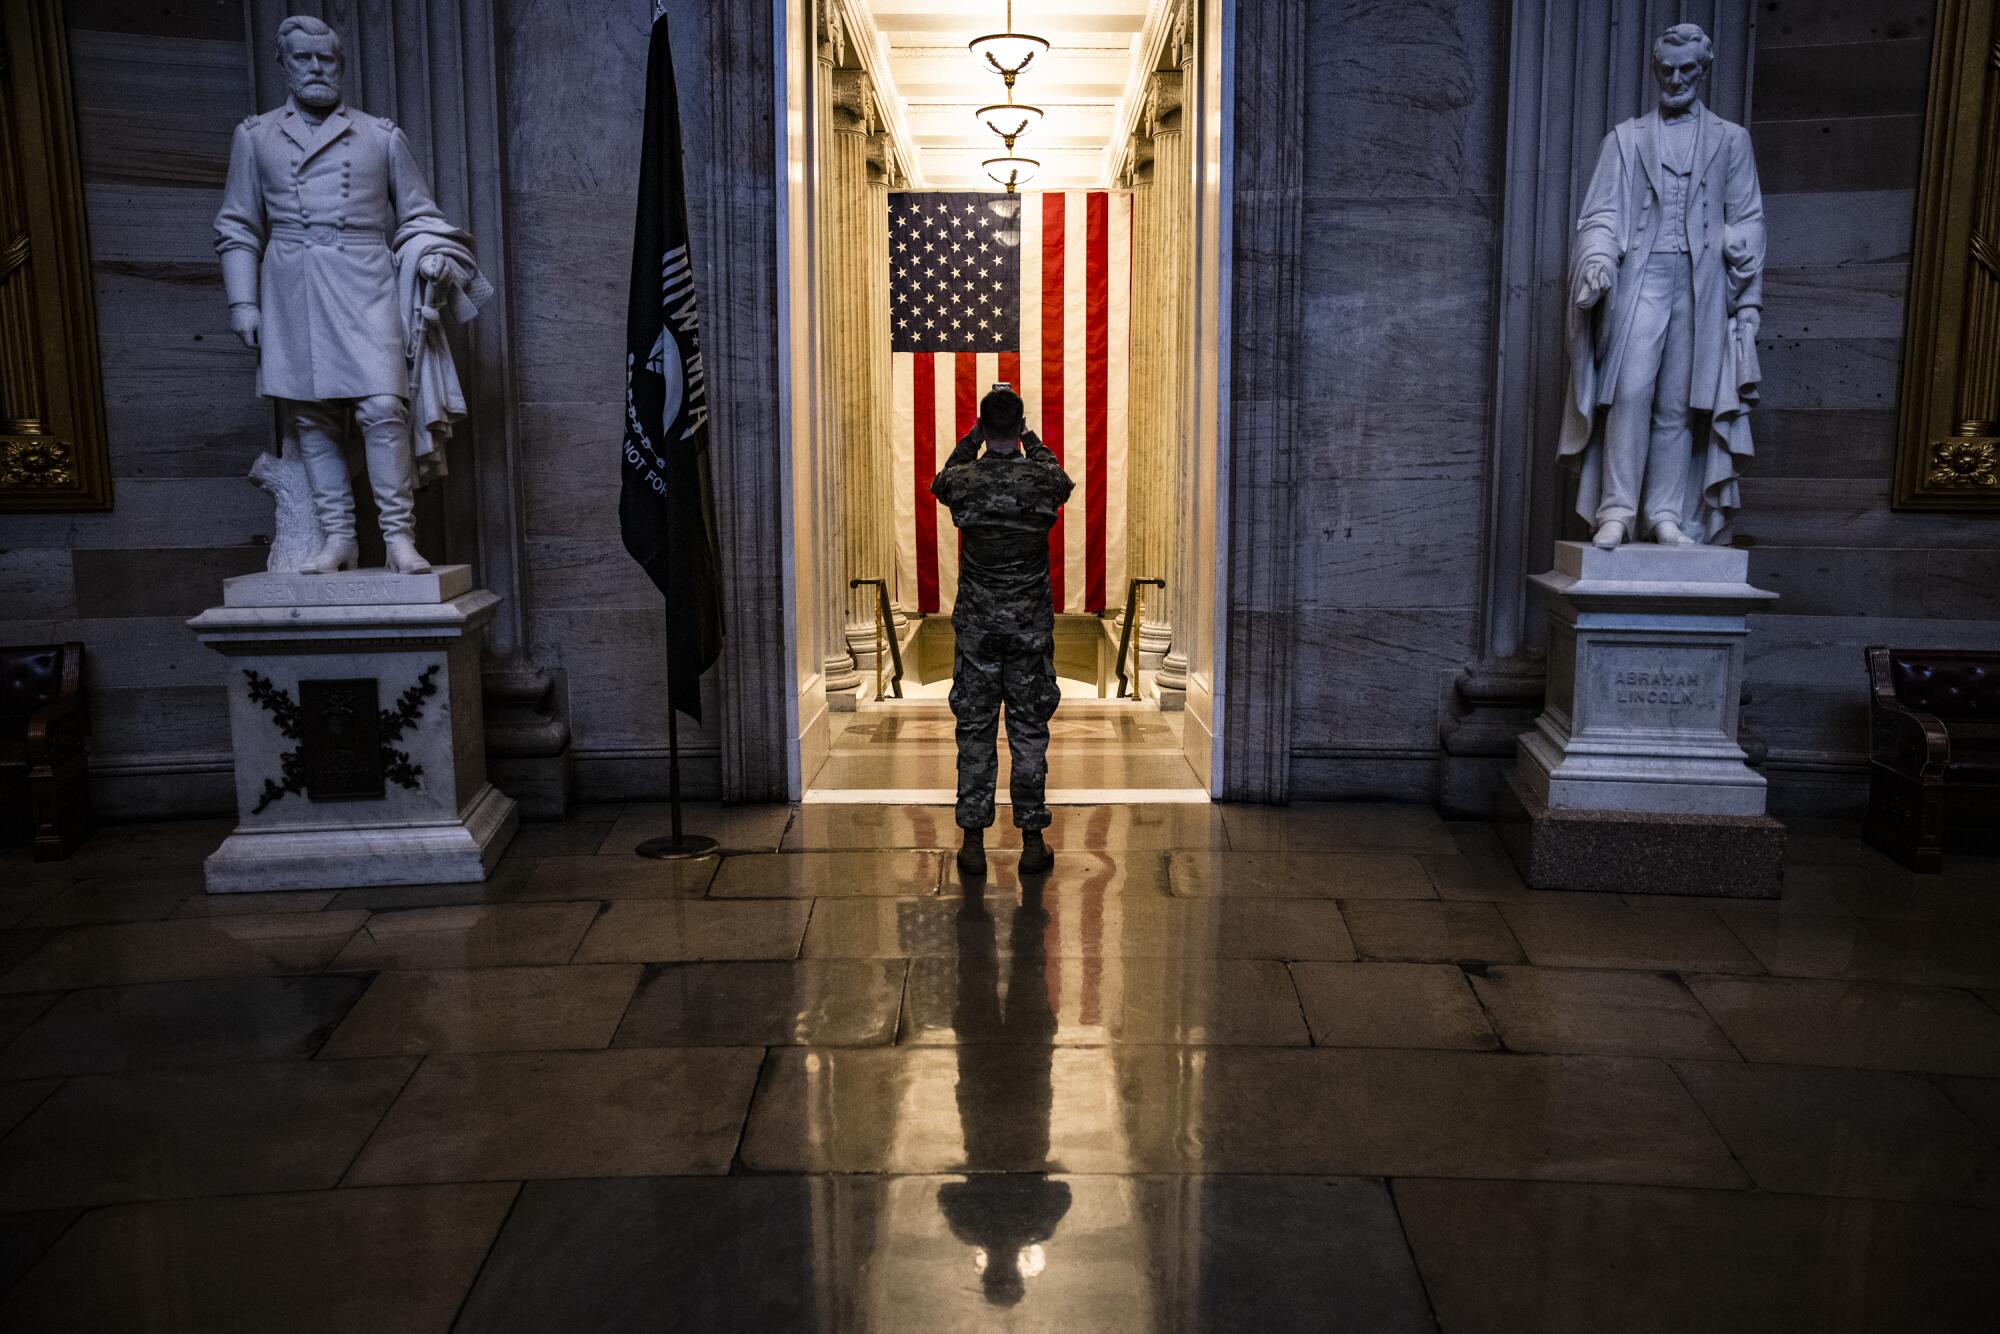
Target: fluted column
x: 1173, y: 209
x: 882, y: 177
x: 848, y: 236
x: 834, y: 243
x: 1148, y: 451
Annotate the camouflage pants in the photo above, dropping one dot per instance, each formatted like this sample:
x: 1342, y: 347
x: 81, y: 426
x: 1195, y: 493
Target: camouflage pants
x: 1020, y: 672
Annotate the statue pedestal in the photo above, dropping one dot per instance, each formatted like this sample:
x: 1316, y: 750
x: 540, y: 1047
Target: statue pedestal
x: 355, y: 715
x: 1632, y: 780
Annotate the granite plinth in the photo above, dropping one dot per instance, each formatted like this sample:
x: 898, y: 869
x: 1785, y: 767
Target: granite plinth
x: 358, y: 732
x: 1636, y: 852
x: 1645, y: 673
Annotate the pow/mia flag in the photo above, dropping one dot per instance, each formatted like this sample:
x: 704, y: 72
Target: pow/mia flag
x: 667, y: 507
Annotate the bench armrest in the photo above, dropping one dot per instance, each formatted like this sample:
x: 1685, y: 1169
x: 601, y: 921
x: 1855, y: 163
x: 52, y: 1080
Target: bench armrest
x: 1918, y: 744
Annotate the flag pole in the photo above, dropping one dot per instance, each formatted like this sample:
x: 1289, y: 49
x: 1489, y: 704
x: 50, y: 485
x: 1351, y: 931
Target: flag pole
x: 677, y: 846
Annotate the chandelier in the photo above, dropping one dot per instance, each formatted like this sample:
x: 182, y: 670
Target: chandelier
x: 1012, y: 170
x: 1009, y: 119
x: 1008, y: 52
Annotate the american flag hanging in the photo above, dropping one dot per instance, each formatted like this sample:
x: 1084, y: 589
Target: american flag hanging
x: 1033, y: 290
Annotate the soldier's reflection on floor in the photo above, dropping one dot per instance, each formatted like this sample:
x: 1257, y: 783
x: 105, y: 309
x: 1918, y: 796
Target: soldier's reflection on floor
x: 1007, y: 1207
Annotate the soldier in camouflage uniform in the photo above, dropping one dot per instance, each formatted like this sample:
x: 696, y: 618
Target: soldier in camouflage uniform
x: 1004, y: 502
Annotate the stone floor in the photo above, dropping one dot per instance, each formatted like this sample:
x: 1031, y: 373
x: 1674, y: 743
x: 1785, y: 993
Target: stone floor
x: 1228, y: 1069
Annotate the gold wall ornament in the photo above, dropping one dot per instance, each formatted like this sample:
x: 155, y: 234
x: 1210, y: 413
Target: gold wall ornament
x: 33, y: 463
x: 1964, y: 465
x: 53, y: 451
x: 1948, y: 439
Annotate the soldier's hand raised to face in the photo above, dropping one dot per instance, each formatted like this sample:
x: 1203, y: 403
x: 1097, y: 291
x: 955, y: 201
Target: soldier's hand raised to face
x: 246, y: 322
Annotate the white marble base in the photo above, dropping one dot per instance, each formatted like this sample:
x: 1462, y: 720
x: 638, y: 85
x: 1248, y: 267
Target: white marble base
x: 1644, y: 683
x: 434, y: 817
x: 253, y: 860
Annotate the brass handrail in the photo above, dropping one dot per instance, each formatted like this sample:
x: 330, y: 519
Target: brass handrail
x: 885, y: 630
x: 1125, y: 631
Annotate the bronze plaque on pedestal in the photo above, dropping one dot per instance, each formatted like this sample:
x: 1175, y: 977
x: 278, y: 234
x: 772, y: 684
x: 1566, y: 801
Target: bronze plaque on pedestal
x: 342, y: 741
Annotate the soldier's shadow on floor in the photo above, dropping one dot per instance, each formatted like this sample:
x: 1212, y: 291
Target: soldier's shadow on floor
x: 1008, y: 1205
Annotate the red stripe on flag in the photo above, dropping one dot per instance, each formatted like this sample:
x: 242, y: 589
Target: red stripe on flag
x: 923, y: 381
x: 1054, y: 211
x: 967, y: 385
x: 966, y: 389
x: 1010, y: 369
x: 1097, y: 394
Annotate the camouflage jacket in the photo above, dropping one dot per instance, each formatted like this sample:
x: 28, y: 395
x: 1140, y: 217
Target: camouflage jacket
x: 1004, y: 506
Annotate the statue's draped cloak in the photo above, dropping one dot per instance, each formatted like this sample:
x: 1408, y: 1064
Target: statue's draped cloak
x: 1619, y: 223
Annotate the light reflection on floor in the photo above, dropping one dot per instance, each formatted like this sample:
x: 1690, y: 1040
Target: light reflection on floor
x: 1100, y: 747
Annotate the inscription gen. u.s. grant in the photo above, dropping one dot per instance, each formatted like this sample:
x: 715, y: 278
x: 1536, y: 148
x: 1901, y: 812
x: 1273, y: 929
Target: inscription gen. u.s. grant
x: 1641, y: 688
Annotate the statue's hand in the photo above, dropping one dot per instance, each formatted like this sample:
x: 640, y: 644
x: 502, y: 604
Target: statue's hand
x: 1750, y: 320
x: 434, y: 267
x: 1593, y: 284
x: 246, y: 323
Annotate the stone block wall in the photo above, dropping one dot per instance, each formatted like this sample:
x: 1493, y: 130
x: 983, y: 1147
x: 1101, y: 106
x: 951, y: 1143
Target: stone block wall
x: 158, y: 89
x: 575, y: 90
x: 1839, y: 95
x: 1405, y: 106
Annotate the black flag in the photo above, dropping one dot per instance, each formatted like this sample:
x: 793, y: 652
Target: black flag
x: 667, y: 508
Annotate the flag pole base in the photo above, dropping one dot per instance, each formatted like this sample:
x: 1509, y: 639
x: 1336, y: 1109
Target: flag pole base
x: 677, y: 849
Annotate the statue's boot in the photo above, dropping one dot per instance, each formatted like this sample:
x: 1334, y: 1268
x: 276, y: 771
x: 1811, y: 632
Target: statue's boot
x: 1609, y: 534
x: 318, y: 427
x: 335, y: 555
x: 392, y: 474
x: 1668, y: 534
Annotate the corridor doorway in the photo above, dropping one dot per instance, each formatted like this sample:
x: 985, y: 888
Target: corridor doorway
x: 1093, y: 291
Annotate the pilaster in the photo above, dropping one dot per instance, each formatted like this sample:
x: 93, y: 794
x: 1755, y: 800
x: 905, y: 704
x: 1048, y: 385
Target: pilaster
x: 1267, y: 205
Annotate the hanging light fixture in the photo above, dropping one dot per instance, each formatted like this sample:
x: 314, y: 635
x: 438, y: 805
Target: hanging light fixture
x: 1010, y: 119
x: 1008, y: 52
x: 1012, y: 170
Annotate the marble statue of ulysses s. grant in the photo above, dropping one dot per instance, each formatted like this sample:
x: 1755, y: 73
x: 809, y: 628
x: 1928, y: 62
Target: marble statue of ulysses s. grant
x: 1666, y: 288
x: 338, y: 265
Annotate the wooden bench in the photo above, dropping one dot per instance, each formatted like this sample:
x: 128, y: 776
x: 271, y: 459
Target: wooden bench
x: 1933, y: 752
x: 44, y: 776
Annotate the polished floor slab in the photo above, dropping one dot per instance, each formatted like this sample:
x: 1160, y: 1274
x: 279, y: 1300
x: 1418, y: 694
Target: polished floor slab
x: 395, y: 1261
x: 1498, y: 1257
x: 951, y: 1255
x: 1331, y: 1066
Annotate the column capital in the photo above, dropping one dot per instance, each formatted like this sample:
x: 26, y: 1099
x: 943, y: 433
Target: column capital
x: 1136, y: 168
x: 830, y: 28
x: 1179, y: 52
x: 854, y: 108
x: 1163, y: 104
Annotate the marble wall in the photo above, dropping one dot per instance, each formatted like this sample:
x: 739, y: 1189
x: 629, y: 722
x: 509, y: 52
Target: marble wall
x: 1403, y: 164
x: 158, y: 89
x: 575, y: 88
x: 1839, y: 95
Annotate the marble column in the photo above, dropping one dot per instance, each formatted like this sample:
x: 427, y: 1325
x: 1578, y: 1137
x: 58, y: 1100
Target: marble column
x: 1575, y: 71
x: 848, y: 240
x: 1172, y: 316
x: 835, y: 161
x: 1145, y: 447
x: 883, y: 176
